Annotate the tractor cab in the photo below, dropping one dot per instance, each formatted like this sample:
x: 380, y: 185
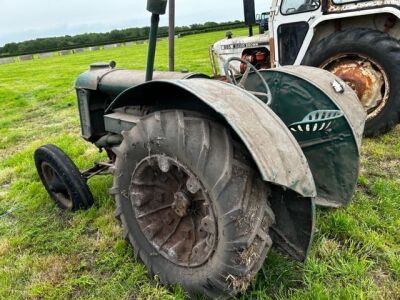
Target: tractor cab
x: 262, y: 21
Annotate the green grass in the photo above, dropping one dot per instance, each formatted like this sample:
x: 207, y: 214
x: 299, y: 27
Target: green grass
x: 49, y: 254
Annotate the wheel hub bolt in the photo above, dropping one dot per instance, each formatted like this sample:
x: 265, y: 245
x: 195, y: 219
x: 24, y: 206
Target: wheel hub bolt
x: 193, y: 185
x: 181, y: 204
x: 163, y: 164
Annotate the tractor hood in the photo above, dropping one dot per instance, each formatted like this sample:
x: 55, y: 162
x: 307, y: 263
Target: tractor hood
x: 234, y: 47
x: 104, y: 78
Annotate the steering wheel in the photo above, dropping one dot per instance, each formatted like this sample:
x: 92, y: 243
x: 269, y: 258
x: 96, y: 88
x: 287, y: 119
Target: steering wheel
x: 230, y: 75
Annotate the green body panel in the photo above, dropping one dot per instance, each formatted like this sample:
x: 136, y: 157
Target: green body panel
x: 333, y: 154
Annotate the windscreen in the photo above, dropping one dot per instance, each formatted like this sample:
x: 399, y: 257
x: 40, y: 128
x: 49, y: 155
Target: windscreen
x: 290, y: 7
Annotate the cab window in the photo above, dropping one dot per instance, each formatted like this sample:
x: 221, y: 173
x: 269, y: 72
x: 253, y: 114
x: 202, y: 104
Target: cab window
x: 290, y: 7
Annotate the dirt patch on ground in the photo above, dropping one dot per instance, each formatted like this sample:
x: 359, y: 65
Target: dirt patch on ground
x: 4, y: 247
x: 53, y: 269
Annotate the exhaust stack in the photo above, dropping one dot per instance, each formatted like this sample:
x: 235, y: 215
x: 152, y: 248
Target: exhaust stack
x: 157, y: 8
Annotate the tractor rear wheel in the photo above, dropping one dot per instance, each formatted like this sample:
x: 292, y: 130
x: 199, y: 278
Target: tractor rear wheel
x: 62, y: 179
x: 192, y: 204
x: 368, y: 61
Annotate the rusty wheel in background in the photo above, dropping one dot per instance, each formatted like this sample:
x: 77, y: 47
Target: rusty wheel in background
x: 369, y: 62
x: 365, y: 76
x: 192, y: 204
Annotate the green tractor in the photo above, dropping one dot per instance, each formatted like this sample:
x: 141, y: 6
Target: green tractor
x: 208, y: 174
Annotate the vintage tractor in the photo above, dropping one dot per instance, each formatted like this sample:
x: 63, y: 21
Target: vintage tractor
x: 207, y: 176
x: 357, y: 40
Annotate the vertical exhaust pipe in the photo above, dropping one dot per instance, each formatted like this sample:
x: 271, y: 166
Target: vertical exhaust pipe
x: 157, y: 8
x: 171, y: 35
x: 249, y: 14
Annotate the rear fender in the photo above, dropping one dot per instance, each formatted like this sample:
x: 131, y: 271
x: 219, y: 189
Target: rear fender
x: 273, y: 148
x: 333, y: 154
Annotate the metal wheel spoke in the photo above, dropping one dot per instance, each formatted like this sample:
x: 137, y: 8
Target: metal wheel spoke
x: 171, y: 233
x: 176, y: 218
x: 154, y: 211
x: 194, y: 242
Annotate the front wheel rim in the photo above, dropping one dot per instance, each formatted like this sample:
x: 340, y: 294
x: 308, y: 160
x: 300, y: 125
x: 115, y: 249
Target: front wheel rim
x: 56, y: 186
x: 173, y: 211
x: 365, y: 76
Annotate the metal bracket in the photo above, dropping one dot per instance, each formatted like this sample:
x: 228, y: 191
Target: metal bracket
x: 99, y: 168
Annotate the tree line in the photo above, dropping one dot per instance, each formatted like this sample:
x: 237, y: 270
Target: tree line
x: 94, y: 39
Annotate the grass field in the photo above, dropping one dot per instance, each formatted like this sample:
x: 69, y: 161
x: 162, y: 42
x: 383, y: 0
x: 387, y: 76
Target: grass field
x: 49, y: 254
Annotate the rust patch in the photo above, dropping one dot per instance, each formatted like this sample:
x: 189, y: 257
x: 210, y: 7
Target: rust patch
x: 366, y: 77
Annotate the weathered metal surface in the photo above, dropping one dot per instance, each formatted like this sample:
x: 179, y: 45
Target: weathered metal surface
x: 185, y: 236
x: 366, y: 77
x: 112, y: 81
x: 117, y: 122
x: 274, y: 150
x: 293, y: 230
x: 333, y: 154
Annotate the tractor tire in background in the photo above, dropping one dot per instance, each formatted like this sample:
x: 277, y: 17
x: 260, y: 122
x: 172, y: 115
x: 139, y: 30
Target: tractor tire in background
x: 192, y: 204
x: 62, y: 179
x: 369, y: 61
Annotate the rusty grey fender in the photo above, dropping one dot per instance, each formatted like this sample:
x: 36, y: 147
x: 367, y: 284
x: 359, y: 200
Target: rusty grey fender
x: 275, y: 151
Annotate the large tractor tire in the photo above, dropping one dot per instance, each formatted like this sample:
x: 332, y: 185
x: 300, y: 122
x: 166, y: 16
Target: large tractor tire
x: 369, y: 61
x: 62, y: 179
x: 192, y: 204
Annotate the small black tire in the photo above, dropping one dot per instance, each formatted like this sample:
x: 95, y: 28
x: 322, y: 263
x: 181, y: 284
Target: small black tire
x: 62, y: 179
x: 380, y: 48
x: 239, y: 198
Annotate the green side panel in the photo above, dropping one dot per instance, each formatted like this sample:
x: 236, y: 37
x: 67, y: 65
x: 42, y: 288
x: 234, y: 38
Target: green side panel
x: 332, y: 154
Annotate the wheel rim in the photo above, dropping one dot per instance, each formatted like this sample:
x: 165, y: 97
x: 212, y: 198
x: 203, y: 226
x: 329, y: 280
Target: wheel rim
x: 56, y: 186
x: 173, y: 210
x: 365, y: 76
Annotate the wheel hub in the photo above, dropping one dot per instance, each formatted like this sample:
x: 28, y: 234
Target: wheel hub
x: 181, y: 204
x: 173, y: 210
x: 366, y: 77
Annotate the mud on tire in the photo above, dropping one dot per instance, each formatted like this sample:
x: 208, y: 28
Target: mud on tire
x: 238, y: 200
x: 383, y: 50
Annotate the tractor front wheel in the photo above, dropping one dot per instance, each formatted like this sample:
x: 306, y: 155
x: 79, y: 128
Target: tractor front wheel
x: 62, y: 179
x: 369, y: 62
x: 192, y: 204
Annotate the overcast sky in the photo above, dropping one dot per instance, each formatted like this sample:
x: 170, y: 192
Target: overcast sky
x: 29, y: 19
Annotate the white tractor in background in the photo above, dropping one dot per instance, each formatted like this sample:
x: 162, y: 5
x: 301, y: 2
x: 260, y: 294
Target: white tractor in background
x: 357, y: 40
